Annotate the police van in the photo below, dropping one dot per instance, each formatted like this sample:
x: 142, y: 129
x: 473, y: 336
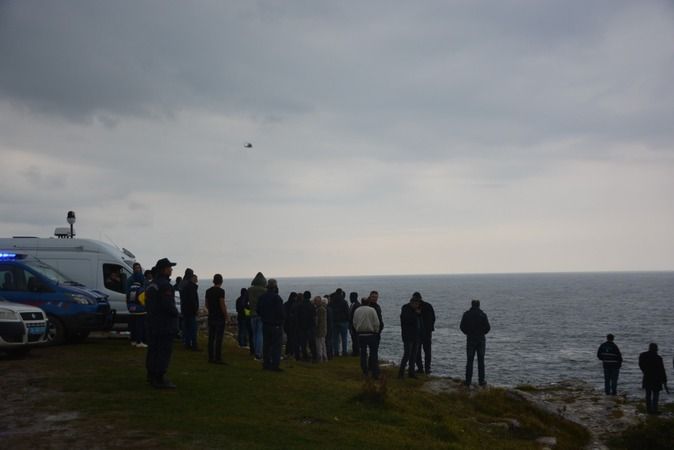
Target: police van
x: 72, y: 309
x: 22, y: 327
x: 95, y: 264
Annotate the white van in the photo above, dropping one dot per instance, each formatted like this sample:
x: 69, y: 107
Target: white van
x: 95, y: 264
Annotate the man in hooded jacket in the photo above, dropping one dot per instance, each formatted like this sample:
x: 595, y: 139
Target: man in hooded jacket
x: 257, y: 288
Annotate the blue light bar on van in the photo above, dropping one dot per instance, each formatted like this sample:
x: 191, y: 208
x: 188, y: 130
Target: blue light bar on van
x: 4, y: 255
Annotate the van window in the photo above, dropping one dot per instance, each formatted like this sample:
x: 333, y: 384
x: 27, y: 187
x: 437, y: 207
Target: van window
x: 115, y: 277
x: 7, y: 282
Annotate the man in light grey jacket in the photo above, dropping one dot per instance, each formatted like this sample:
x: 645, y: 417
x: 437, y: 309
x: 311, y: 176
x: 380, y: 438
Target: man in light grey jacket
x: 368, y: 325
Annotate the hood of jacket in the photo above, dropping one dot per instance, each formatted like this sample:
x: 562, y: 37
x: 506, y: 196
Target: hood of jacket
x: 259, y: 281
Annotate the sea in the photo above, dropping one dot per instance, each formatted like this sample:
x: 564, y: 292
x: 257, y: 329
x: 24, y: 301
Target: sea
x: 545, y: 327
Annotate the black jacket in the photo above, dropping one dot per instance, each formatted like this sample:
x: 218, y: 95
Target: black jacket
x: 378, y: 309
x: 241, y: 305
x: 653, y: 368
x: 428, y: 316
x: 270, y: 308
x: 610, y: 355
x: 189, y: 299
x: 306, y: 315
x: 411, y: 323
x: 474, y: 323
x: 340, y: 310
x: 162, y: 314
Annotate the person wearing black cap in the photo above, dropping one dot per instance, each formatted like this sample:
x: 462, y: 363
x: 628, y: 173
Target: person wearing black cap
x: 475, y: 325
x: 162, y: 320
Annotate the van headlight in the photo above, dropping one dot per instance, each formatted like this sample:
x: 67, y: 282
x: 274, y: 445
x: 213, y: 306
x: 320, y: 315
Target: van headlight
x: 8, y: 314
x: 81, y: 299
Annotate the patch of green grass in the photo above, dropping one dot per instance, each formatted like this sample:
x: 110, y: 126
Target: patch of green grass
x: 653, y: 434
x: 327, y: 406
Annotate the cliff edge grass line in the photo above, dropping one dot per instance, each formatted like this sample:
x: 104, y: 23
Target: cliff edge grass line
x: 95, y: 394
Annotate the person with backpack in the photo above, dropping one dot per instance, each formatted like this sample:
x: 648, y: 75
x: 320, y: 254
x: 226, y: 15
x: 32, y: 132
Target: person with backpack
x: 135, y: 304
x: 609, y: 354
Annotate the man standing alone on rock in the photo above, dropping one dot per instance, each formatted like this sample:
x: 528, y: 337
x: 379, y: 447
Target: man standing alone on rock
x: 655, y: 377
x: 609, y: 353
x: 475, y: 325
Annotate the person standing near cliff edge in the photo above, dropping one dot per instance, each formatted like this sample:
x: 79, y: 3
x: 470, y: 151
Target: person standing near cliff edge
x: 655, y: 377
x: 475, y: 325
x: 428, y: 317
x: 162, y: 318
x: 257, y: 288
x: 609, y: 354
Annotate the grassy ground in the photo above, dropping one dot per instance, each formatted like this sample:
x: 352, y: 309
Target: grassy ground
x: 310, y: 406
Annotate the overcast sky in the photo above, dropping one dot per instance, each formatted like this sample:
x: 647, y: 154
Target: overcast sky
x: 388, y: 137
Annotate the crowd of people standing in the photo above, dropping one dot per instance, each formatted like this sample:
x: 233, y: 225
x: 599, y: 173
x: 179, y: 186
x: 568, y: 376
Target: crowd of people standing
x: 317, y: 328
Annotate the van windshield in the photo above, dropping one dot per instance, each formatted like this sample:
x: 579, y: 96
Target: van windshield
x: 49, y: 272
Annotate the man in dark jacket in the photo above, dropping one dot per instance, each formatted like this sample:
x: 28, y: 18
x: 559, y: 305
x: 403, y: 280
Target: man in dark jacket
x: 340, y: 320
x: 355, y: 347
x: 189, y: 308
x: 411, y: 327
x: 428, y: 317
x: 270, y: 311
x: 609, y: 354
x: 306, y: 326
x: 655, y: 377
x: 162, y: 324
x: 290, y: 324
x: 475, y: 325
x: 242, y: 320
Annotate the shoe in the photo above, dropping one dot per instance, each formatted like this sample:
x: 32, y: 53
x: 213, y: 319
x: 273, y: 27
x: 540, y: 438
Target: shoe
x: 141, y: 345
x: 163, y: 383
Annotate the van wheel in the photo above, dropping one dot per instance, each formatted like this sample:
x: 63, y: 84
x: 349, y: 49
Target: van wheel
x: 79, y: 337
x: 56, y: 332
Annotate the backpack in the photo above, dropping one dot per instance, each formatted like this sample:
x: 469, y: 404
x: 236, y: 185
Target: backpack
x: 135, y: 300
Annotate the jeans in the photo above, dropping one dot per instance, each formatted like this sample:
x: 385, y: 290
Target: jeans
x: 242, y: 333
x: 256, y: 323
x: 341, y: 330
x: 475, y: 345
x: 652, y: 397
x: 411, y: 347
x: 425, y: 344
x: 272, y: 341
x: 215, y: 333
x: 190, y: 331
x: 611, y: 373
x: 369, y: 342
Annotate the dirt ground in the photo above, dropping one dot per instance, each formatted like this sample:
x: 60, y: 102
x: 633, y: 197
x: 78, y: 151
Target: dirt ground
x: 30, y: 416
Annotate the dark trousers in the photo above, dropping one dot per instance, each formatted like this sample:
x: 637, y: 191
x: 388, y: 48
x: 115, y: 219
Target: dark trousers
x: 137, y: 327
x: 355, y: 347
x: 411, y: 347
x: 190, y: 331
x: 215, y: 334
x: 159, y: 348
x: 652, y: 397
x: 369, y: 363
x: 304, y: 338
x: 242, y: 331
x: 251, y: 339
x: 475, y: 345
x: 611, y: 373
x: 424, y: 345
x: 291, y: 342
x: 272, y: 339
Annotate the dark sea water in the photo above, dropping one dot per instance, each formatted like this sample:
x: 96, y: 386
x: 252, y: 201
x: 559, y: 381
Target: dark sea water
x: 545, y: 327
